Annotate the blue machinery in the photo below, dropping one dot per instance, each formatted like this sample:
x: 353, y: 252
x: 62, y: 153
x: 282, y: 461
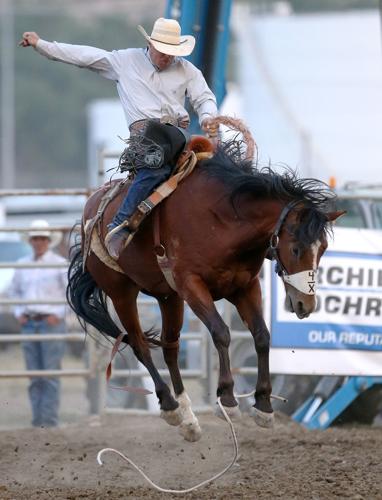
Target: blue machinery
x: 324, y: 406
x: 208, y: 22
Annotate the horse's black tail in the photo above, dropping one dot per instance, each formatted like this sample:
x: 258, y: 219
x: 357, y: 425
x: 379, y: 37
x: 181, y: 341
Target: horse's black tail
x: 86, y: 299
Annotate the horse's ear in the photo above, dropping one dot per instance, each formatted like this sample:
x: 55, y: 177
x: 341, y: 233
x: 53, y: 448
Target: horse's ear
x: 200, y: 144
x: 332, y: 216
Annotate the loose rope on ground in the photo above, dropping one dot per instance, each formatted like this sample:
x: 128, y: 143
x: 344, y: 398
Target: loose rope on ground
x: 193, y: 488
x: 206, y: 481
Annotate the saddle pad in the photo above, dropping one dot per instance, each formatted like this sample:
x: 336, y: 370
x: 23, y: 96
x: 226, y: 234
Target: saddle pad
x: 96, y: 246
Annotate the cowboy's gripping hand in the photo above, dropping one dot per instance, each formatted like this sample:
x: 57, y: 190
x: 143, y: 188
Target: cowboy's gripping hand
x: 210, y: 127
x: 29, y: 39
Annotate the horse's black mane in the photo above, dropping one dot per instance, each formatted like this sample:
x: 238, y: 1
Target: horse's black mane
x: 240, y: 177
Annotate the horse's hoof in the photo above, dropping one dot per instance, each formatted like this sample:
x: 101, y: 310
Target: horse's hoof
x: 233, y: 412
x: 263, y: 419
x: 172, y: 417
x: 191, y: 431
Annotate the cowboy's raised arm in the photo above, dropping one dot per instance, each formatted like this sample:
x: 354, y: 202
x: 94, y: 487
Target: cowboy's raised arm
x: 101, y: 61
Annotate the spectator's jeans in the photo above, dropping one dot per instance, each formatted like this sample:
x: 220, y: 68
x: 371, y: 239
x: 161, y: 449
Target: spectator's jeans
x: 44, y: 392
x: 146, y: 180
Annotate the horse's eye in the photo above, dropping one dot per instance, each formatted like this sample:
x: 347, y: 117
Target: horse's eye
x: 295, y: 251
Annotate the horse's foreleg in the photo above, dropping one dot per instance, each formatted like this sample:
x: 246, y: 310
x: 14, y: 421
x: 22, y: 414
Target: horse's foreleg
x: 172, y: 320
x: 200, y: 300
x: 249, y: 306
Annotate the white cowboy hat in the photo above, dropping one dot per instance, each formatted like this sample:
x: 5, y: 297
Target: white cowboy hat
x: 41, y: 228
x: 166, y: 38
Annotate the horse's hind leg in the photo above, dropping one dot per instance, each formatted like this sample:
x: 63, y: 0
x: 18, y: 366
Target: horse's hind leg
x: 172, y: 320
x: 123, y: 292
x: 125, y: 304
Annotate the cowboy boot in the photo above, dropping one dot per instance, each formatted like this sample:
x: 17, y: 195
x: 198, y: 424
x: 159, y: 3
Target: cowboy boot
x: 116, y: 241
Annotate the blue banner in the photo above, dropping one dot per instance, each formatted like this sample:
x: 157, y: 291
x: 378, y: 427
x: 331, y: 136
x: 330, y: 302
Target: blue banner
x: 349, y: 306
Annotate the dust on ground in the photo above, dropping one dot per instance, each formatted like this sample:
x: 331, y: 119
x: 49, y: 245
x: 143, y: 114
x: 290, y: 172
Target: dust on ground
x: 288, y: 462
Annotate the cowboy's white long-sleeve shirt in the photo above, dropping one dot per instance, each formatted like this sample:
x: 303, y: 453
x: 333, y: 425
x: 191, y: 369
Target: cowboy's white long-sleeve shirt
x: 144, y: 91
x: 40, y: 284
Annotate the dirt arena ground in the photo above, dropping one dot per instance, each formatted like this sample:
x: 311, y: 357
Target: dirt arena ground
x: 288, y: 462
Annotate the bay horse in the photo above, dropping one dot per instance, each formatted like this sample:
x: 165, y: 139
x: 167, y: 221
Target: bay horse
x: 216, y: 229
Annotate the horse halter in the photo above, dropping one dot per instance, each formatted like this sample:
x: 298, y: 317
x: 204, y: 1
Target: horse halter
x: 304, y: 281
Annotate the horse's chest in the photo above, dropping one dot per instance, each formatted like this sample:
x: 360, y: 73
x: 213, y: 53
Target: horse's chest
x: 228, y: 281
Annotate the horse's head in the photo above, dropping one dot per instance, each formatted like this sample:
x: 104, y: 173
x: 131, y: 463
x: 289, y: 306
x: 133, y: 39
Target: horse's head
x: 297, y: 244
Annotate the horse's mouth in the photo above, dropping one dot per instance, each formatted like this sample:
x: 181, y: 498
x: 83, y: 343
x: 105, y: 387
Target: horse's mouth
x: 303, y: 315
x: 299, y: 310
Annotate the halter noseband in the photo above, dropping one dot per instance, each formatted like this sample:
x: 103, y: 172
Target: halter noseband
x: 303, y: 281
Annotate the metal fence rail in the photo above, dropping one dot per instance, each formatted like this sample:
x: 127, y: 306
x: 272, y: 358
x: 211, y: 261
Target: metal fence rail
x: 46, y: 192
x: 26, y: 265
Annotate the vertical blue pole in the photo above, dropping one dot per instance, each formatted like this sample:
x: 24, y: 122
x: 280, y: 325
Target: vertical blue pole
x: 168, y: 10
x: 221, y: 52
x: 191, y: 15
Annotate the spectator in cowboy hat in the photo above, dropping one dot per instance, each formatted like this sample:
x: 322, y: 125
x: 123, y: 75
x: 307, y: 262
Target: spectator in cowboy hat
x: 41, y: 283
x: 152, y: 84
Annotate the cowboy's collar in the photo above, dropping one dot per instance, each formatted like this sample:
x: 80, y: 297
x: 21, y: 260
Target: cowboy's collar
x: 155, y: 66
